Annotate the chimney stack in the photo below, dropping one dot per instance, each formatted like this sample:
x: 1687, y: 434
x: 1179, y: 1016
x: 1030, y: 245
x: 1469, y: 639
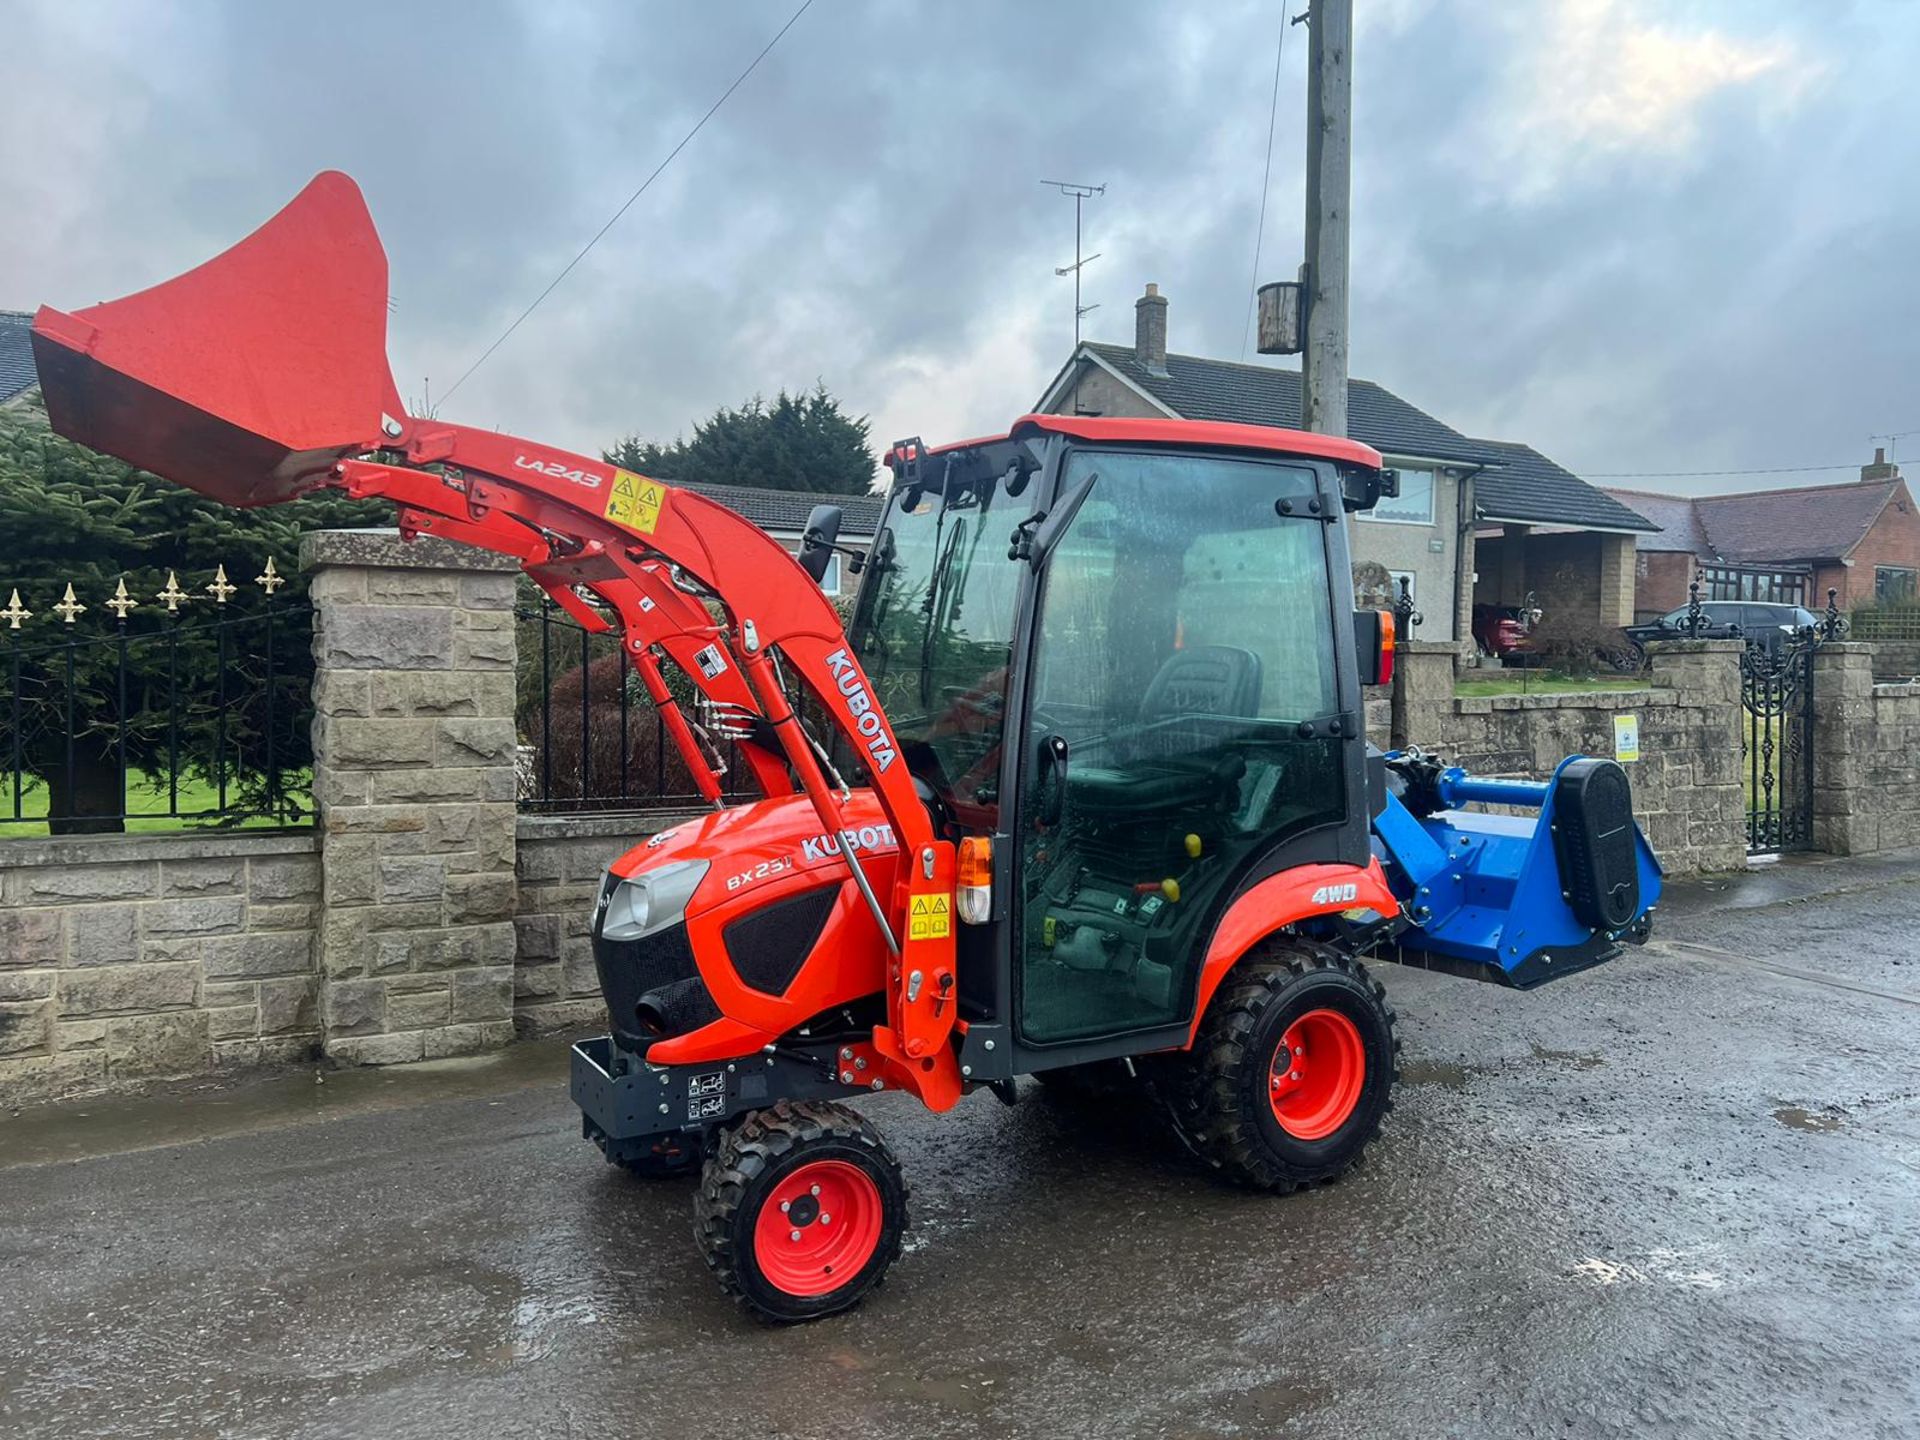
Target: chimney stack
x: 1150, y: 331
x: 1880, y: 469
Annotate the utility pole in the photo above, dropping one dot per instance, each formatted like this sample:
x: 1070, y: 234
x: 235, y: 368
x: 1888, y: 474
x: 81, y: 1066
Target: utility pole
x: 1080, y: 193
x: 1329, y: 186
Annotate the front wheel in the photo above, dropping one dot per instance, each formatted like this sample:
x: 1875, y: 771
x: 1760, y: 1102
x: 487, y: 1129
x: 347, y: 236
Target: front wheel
x: 800, y: 1211
x: 1292, y: 1071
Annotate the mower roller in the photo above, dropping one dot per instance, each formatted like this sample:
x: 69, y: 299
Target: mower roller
x: 1083, y: 791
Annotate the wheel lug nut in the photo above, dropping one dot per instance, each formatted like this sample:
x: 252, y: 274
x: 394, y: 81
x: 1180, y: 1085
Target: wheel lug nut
x: 796, y: 1235
x: 815, y: 1190
x: 1294, y: 1076
x: 785, y: 1205
x: 825, y: 1218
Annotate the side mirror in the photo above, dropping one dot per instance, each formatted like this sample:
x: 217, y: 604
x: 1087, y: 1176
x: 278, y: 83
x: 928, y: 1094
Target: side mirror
x: 817, y: 541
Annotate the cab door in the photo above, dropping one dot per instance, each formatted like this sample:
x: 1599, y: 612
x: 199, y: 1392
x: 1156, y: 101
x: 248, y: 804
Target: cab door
x: 1183, y: 718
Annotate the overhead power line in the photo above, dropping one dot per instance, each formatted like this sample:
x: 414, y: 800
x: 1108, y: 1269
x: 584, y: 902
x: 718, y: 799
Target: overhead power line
x: 685, y: 140
x: 1266, y: 181
x: 1681, y: 474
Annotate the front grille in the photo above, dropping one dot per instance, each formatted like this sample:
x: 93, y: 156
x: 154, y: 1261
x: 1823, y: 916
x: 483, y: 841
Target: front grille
x: 659, y: 969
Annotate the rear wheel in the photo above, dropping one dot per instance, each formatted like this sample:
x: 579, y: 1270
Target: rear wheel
x: 1292, y: 1071
x: 800, y: 1210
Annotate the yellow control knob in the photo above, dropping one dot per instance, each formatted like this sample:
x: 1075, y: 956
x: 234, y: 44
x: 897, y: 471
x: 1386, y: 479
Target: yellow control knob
x: 1170, y: 888
x: 1193, y: 847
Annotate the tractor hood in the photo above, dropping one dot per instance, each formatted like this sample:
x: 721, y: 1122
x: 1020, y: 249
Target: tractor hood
x: 750, y: 845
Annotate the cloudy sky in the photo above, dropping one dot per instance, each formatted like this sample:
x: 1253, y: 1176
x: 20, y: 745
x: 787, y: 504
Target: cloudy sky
x: 1642, y: 235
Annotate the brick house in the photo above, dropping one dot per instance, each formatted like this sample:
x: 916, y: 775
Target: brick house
x: 1458, y: 494
x: 1860, y: 539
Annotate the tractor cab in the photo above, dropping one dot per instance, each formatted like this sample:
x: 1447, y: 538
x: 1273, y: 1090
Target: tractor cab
x: 1130, y: 661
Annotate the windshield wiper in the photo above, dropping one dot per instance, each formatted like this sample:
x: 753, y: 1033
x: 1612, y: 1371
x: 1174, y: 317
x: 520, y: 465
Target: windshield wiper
x: 936, y: 593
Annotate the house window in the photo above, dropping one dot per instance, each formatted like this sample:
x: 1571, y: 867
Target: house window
x: 1770, y: 587
x: 830, y: 581
x: 1413, y: 505
x: 1892, y: 583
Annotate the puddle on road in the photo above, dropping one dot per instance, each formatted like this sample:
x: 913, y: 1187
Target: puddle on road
x: 1820, y: 1122
x: 1694, y: 1268
x: 1572, y: 1059
x: 1447, y: 1074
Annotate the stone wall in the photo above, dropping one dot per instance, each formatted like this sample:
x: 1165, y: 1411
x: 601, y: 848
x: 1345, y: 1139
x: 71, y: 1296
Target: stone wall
x: 561, y: 861
x: 385, y: 934
x: 1686, y: 785
x: 128, y: 957
x: 1896, y: 661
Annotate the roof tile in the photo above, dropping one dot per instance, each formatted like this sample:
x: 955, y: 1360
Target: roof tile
x: 1520, y: 483
x: 16, y: 354
x: 788, y: 509
x: 1814, y: 522
x: 1680, y: 528
x: 1200, y: 389
x: 1528, y: 487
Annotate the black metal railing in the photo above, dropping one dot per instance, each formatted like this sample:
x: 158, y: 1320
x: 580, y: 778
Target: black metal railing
x: 591, y: 738
x: 195, y: 715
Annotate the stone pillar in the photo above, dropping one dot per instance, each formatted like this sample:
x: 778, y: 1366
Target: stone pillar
x: 1845, y: 819
x: 1697, y: 753
x: 413, y: 741
x: 1466, y: 562
x: 1423, y: 673
x: 1616, y: 579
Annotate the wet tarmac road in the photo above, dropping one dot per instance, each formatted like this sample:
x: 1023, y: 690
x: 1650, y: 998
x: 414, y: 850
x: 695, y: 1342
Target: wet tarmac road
x: 1677, y: 1196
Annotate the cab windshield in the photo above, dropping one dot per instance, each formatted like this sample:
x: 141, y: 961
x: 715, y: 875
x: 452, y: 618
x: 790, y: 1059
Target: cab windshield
x: 934, y: 629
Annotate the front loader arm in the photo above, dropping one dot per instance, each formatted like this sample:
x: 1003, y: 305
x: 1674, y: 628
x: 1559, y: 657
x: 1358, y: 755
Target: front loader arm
x: 626, y: 545
x: 261, y: 375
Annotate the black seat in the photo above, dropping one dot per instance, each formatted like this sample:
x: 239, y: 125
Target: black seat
x: 1166, y: 764
x: 1208, y: 680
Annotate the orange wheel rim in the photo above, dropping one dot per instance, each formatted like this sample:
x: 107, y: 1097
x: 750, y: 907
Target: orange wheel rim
x: 1319, y: 1069
x: 818, y: 1228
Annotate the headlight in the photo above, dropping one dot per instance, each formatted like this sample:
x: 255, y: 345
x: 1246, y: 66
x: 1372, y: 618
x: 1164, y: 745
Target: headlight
x: 651, y: 900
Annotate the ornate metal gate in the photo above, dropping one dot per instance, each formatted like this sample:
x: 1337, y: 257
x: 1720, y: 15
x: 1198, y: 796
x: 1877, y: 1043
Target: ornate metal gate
x: 1776, y: 731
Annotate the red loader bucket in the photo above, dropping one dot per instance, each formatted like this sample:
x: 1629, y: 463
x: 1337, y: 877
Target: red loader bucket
x: 246, y: 377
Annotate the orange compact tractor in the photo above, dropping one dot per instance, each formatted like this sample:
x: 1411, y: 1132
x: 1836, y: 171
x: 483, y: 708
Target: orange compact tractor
x: 1084, y: 792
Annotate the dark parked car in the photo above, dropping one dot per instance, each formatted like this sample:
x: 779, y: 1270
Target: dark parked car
x: 1758, y: 624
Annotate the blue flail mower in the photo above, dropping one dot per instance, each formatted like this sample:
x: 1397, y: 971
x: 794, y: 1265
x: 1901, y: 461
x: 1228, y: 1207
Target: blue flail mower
x: 1520, y: 899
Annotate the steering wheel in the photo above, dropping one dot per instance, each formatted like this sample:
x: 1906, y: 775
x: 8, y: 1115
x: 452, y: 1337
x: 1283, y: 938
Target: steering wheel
x: 988, y: 707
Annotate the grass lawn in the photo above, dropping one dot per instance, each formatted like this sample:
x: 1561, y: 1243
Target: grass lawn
x: 148, y: 802
x: 1541, y: 682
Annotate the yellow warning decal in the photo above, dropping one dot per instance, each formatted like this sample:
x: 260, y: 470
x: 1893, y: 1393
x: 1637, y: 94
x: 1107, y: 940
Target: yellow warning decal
x: 931, y: 918
x: 635, y: 501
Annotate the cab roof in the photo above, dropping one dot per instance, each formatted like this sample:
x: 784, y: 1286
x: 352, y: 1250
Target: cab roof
x: 1213, y: 433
